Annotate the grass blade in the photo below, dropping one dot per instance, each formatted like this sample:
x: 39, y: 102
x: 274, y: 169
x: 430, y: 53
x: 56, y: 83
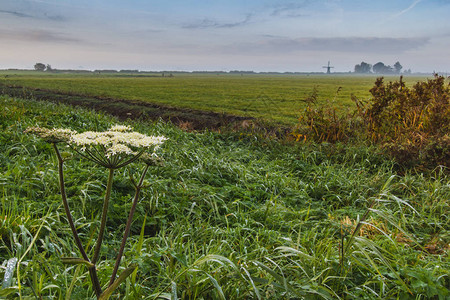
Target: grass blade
x: 9, y: 273
x: 122, y: 277
x: 76, y: 261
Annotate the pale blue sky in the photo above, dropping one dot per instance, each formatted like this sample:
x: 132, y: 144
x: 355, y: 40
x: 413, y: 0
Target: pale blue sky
x: 265, y: 35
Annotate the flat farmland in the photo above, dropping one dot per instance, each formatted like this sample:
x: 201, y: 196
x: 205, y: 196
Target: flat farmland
x: 275, y: 98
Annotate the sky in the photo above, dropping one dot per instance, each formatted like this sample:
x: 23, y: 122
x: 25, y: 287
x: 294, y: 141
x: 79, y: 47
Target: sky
x: 224, y: 35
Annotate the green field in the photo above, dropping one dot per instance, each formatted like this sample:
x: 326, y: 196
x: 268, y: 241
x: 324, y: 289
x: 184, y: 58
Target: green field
x: 229, y: 216
x: 270, y: 97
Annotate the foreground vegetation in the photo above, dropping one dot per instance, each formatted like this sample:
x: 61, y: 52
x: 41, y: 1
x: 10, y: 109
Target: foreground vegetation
x: 232, y: 216
x: 275, y: 98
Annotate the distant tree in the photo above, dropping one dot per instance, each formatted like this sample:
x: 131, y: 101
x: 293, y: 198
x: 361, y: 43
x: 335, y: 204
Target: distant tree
x: 388, y: 70
x: 129, y: 71
x: 39, y: 67
x: 49, y: 68
x: 105, y: 71
x: 363, y: 68
x: 381, y: 68
x: 397, y: 67
x: 378, y: 67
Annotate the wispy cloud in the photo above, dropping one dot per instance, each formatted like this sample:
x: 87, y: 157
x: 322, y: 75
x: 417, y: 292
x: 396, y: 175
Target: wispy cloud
x: 15, y: 14
x: 33, y: 15
x: 58, y: 18
x: 44, y: 36
x: 209, y: 23
x: 407, y: 9
x: 291, y: 9
x: 334, y: 44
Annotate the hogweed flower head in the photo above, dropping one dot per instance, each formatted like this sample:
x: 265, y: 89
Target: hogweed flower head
x: 55, y: 135
x: 121, y: 128
x: 114, y: 148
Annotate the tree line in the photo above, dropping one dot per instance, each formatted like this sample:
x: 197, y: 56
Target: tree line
x: 362, y: 68
x: 379, y: 68
x: 42, y: 67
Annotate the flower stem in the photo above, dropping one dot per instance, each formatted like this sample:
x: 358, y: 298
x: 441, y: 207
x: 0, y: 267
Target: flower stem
x: 104, y: 215
x: 92, y: 271
x: 128, y: 226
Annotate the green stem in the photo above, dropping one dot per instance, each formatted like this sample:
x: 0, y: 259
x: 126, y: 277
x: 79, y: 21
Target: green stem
x: 104, y: 215
x: 92, y: 271
x: 128, y: 226
x: 358, y: 227
x: 134, y: 158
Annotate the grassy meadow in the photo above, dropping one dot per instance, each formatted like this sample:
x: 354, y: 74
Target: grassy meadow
x: 274, y: 98
x: 228, y: 216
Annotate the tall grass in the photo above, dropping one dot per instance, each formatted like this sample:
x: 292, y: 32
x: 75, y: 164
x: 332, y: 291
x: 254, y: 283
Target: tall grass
x: 230, y: 216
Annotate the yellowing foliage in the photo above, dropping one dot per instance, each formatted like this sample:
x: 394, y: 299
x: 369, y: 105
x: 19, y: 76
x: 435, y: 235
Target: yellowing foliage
x: 411, y: 124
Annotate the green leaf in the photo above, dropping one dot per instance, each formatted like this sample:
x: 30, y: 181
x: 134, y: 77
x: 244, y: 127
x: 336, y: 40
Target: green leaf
x: 213, y: 280
x: 293, y: 251
x: 123, y: 276
x: 76, y: 261
x: 216, y: 285
x: 165, y: 296
x: 173, y: 295
x: 252, y: 283
x: 51, y: 286
x: 139, y: 247
x: 9, y: 273
x: 217, y: 258
x: 8, y: 291
x: 363, y: 242
x: 281, y: 280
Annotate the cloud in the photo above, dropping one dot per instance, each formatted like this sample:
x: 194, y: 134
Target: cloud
x: 57, y: 18
x: 407, y: 9
x: 15, y: 13
x: 208, y: 23
x: 37, y: 36
x: 33, y: 16
x: 291, y: 9
x: 334, y: 44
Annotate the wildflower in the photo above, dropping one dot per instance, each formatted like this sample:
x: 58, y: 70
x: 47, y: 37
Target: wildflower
x: 112, y: 149
x: 51, y: 135
x: 120, y: 128
x: 115, y: 147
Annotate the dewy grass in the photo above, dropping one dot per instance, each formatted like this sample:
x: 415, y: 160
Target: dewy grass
x: 112, y: 149
x: 233, y: 215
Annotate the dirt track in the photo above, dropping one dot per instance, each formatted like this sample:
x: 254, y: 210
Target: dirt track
x: 132, y: 109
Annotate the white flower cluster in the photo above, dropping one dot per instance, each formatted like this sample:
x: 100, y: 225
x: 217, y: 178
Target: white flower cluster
x: 117, y: 140
x: 121, y: 128
x: 109, y: 148
x: 54, y: 135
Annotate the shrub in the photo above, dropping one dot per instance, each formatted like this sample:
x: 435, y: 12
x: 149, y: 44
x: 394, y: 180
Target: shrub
x: 412, y: 124
x: 323, y: 122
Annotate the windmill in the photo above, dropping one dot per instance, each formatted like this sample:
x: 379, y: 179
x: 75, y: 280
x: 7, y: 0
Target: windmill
x: 328, y: 68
